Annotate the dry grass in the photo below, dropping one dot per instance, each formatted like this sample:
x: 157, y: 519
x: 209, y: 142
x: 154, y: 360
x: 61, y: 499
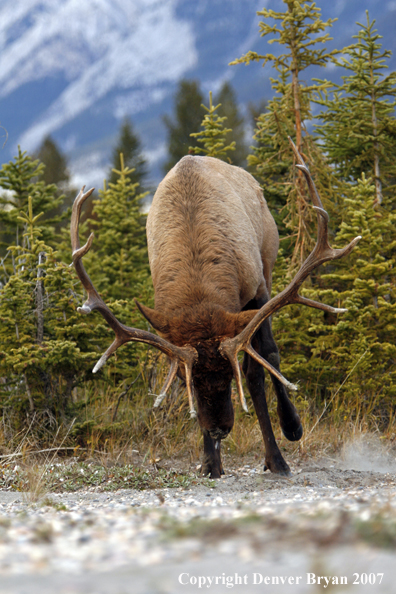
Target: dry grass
x: 116, y: 425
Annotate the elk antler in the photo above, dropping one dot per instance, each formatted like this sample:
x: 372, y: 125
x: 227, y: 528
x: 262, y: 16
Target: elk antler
x: 179, y: 355
x: 321, y: 253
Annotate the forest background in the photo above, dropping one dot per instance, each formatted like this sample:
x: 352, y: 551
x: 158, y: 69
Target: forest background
x: 344, y: 364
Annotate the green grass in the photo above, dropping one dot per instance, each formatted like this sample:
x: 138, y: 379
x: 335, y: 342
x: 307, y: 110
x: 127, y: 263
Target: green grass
x: 77, y: 476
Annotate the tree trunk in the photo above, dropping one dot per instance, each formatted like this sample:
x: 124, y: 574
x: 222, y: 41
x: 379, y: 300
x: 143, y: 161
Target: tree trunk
x: 377, y: 172
x: 40, y: 300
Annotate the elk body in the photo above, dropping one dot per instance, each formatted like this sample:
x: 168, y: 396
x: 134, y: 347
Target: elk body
x: 212, y: 246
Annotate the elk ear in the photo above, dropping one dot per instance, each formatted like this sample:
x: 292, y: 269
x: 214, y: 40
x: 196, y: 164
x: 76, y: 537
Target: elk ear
x: 242, y: 319
x: 156, y: 319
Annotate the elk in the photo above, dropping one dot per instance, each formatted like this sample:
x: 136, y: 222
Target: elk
x: 212, y: 245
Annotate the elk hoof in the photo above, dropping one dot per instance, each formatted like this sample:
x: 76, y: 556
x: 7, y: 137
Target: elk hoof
x: 212, y: 471
x: 280, y: 467
x: 293, y: 435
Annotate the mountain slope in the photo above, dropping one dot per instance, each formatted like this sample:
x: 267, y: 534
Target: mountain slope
x: 73, y: 69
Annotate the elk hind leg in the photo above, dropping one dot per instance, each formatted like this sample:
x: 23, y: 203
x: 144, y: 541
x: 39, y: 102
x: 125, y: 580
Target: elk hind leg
x: 265, y: 345
x: 255, y: 380
x: 288, y: 417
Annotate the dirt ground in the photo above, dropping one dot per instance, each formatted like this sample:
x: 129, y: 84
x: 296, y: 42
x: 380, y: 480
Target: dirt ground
x: 331, y: 526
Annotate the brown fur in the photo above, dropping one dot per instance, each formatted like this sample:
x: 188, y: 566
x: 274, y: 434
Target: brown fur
x: 212, y: 245
x: 194, y: 324
x: 209, y: 223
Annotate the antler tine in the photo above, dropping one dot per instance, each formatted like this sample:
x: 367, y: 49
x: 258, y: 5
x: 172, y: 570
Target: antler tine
x: 185, y: 355
x: 238, y: 379
x: 189, y: 384
x: 231, y: 347
x: 168, y: 382
x: 301, y: 165
x: 321, y: 253
x: 250, y: 351
x: 190, y: 388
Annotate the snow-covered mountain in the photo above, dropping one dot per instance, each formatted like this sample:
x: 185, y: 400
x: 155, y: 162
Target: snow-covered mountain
x: 75, y: 68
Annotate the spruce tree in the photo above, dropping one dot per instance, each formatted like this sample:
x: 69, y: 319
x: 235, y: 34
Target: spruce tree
x: 301, y: 333
x: 45, y: 349
x: 56, y: 171
x: 358, y: 127
x: 213, y: 134
x: 23, y: 177
x: 361, y: 346
x: 120, y: 260
x: 229, y: 108
x: 129, y: 145
x: 299, y: 30
x: 188, y: 115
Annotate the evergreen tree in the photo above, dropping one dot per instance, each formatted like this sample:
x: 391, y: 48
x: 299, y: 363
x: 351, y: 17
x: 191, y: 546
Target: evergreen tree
x: 367, y: 288
x: 118, y: 262
x: 360, y: 347
x: 56, y: 171
x: 187, y: 120
x: 358, y: 128
x: 130, y: 146
x: 45, y: 350
x: 121, y: 258
x: 46, y: 347
x: 21, y: 178
x: 299, y: 30
x: 256, y: 109
x: 319, y: 348
x: 213, y: 134
x: 229, y: 108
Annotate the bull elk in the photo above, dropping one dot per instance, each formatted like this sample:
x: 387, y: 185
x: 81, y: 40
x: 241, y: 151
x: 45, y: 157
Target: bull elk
x: 212, y: 245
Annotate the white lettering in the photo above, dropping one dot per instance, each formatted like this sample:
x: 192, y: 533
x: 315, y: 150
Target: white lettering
x: 229, y: 581
x: 311, y: 578
x: 257, y: 578
x: 181, y: 578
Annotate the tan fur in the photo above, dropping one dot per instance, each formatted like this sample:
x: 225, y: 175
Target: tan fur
x: 212, y: 245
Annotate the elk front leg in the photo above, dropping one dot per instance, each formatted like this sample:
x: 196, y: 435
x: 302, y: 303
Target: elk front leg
x: 211, y: 465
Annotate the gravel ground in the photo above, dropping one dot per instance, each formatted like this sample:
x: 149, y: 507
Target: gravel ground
x: 252, y: 532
